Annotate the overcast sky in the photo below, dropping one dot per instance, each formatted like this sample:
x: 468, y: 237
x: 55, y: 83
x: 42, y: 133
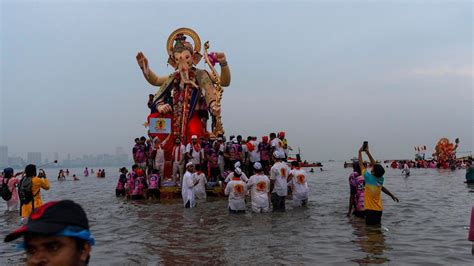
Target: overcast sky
x: 330, y: 75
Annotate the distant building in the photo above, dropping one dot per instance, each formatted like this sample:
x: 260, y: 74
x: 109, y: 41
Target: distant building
x: 16, y: 162
x: 119, y: 151
x: 34, y: 158
x: 3, y: 156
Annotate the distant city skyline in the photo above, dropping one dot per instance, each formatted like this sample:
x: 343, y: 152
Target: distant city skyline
x: 14, y: 160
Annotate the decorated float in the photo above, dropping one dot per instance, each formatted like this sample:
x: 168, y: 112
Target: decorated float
x: 445, y: 152
x: 186, y: 99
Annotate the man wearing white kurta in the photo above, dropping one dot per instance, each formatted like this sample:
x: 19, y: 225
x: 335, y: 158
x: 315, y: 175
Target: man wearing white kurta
x: 159, y: 162
x: 200, y: 189
x: 193, y: 151
x: 279, y: 182
x: 259, y: 186
x: 236, y: 189
x: 187, y: 190
x: 178, y: 156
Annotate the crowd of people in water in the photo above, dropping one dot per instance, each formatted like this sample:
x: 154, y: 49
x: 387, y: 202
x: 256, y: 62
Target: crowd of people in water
x: 453, y: 164
x: 240, y: 167
x: 100, y: 172
x: 215, y: 156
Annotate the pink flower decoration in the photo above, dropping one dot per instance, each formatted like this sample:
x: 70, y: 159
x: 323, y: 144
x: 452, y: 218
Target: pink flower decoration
x: 213, y: 58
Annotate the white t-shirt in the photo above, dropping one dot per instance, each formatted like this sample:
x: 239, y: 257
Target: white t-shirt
x: 259, y: 186
x: 187, y: 190
x: 299, y: 184
x: 229, y: 177
x: 254, y: 155
x: 200, y: 188
x: 236, y: 189
x: 279, y: 173
x: 277, y: 144
x: 196, y: 155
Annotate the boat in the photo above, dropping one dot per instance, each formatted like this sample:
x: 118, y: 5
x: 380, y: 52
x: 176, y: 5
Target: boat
x: 302, y: 163
x: 351, y: 163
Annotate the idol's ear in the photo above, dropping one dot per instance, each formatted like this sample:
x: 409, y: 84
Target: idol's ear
x: 196, y: 58
x: 172, y: 63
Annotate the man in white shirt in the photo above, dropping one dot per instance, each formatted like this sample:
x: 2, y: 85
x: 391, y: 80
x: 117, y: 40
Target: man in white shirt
x: 193, y: 151
x: 159, y: 160
x: 299, y: 185
x: 200, y: 189
x: 279, y: 181
x: 187, y: 190
x: 178, y: 156
x: 259, y: 186
x: 236, y: 189
x: 276, y: 144
x: 254, y: 155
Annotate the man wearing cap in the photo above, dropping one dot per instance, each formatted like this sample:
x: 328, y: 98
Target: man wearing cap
x: 187, y: 190
x: 235, y: 173
x: 284, y: 143
x: 254, y: 153
x: 236, y: 189
x: 299, y: 185
x: 194, y: 151
x: 57, y: 233
x: 279, y: 181
x: 259, y: 186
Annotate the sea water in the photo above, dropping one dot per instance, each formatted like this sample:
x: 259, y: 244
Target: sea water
x: 428, y: 225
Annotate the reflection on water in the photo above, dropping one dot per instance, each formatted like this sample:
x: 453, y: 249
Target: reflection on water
x: 371, y: 240
x: 428, y: 226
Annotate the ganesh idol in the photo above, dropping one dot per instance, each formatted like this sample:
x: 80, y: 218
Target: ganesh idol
x: 189, y: 93
x: 187, y: 97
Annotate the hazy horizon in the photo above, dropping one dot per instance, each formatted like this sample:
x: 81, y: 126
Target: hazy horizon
x: 329, y: 74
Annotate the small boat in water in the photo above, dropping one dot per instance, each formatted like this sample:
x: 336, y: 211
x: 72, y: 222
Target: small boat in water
x: 302, y: 163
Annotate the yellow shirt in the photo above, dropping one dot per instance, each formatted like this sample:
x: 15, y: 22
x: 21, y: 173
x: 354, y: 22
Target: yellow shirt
x: 373, y: 189
x: 37, y: 184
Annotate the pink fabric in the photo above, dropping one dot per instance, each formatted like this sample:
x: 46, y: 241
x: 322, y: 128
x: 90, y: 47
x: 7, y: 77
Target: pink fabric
x: 12, y: 183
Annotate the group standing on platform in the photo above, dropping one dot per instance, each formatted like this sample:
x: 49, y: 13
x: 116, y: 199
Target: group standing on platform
x: 241, y: 167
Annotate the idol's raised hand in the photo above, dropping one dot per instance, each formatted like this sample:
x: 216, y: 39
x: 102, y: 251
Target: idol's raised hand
x: 221, y: 58
x: 143, y: 63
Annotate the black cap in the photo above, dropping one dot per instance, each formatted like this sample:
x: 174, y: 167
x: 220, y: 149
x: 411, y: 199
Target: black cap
x: 52, y: 218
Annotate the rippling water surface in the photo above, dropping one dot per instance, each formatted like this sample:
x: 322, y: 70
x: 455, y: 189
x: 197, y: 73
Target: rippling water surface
x: 429, y: 225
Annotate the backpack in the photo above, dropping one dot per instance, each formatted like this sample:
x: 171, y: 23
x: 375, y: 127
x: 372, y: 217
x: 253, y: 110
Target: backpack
x: 153, y: 181
x: 25, y: 190
x: 4, y: 191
